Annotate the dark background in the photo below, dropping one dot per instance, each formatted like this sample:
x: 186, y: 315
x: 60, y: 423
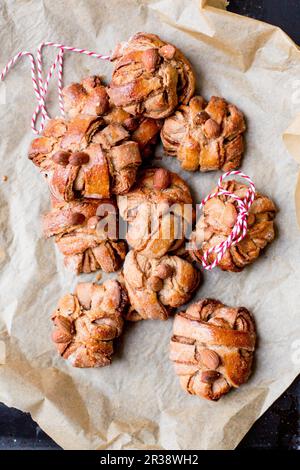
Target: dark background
x: 279, y: 426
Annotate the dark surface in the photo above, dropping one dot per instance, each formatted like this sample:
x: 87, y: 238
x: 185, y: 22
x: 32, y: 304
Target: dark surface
x: 283, y: 13
x: 279, y: 426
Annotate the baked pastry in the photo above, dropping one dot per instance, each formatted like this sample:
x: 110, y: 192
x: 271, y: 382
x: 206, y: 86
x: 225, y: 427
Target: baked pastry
x: 86, y: 233
x: 205, y: 136
x: 143, y: 130
x: 158, y: 210
x: 216, y: 223
x: 212, y: 348
x: 84, y: 157
x: 150, y: 77
x: 89, y: 97
x: 87, y: 322
x: 156, y: 286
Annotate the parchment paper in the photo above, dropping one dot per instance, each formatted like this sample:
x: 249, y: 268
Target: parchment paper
x: 137, y: 403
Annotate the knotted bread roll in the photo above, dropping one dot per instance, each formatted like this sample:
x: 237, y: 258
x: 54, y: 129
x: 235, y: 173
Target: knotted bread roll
x: 150, y: 77
x: 84, y: 157
x: 205, y: 136
x: 87, y: 322
x: 212, y: 348
x: 90, y: 97
x: 86, y: 233
x: 159, y: 211
x: 216, y: 223
x: 156, y: 286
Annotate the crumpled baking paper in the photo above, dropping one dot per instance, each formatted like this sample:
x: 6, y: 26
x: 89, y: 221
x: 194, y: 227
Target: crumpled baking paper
x: 137, y: 403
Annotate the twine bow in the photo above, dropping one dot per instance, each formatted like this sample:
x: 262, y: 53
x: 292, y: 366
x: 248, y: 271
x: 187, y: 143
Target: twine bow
x: 239, y: 229
x: 40, y: 85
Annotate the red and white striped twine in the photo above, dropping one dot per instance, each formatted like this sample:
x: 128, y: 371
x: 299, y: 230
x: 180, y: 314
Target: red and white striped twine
x: 40, y: 85
x: 239, y: 230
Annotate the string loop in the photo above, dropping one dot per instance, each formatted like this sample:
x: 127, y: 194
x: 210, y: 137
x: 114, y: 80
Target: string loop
x: 239, y: 229
x: 40, y: 85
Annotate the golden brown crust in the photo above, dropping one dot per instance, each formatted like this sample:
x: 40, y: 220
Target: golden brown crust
x: 205, y: 136
x: 212, y: 348
x: 150, y: 77
x: 84, y: 157
x: 156, y: 286
x: 89, y: 97
x: 147, y: 135
x: 157, y: 217
x: 81, y: 234
x: 142, y: 130
x: 216, y: 223
x: 87, y: 322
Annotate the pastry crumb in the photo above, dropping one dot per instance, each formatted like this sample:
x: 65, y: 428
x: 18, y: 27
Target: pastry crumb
x: 4, y: 178
x: 98, y: 277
